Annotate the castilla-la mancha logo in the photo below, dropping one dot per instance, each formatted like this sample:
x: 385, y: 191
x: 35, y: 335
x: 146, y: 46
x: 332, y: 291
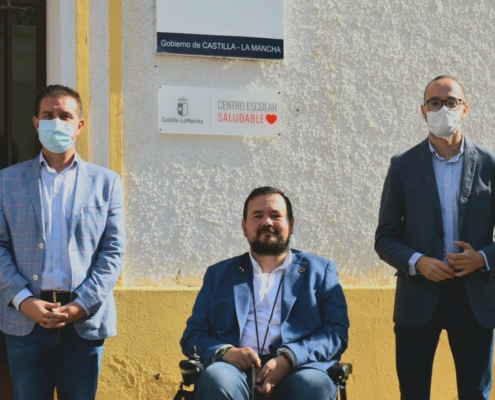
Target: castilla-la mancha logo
x: 182, y: 107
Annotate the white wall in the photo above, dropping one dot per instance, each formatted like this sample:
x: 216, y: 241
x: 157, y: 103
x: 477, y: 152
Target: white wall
x: 352, y: 83
x: 99, y: 106
x: 61, y: 42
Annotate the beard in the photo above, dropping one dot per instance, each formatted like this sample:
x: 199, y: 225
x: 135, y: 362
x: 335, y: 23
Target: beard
x: 269, y: 247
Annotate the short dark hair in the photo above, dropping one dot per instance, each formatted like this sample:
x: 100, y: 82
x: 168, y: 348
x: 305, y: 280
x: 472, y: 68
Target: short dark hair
x: 263, y: 191
x: 443, y: 77
x: 57, y: 91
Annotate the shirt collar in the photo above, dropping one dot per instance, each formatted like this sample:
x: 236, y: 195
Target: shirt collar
x: 285, y: 264
x: 453, y: 159
x: 44, y: 163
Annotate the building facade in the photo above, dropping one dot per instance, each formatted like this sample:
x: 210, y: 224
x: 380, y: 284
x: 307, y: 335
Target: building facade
x: 351, y: 85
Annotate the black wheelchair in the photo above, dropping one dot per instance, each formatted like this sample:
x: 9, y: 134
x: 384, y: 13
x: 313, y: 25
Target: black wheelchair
x: 191, y: 370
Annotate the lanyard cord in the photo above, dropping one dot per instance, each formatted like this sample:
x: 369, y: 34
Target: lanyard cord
x: 260, y: 350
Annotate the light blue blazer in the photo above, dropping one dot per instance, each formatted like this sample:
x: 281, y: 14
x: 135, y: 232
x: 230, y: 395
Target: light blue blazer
x: 314, y: 311
x: 96, y: 244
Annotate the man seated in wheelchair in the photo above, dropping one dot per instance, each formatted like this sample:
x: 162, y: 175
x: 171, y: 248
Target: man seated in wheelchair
x: 271, y: 321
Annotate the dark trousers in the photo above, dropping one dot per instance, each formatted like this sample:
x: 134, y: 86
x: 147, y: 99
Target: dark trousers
x: 49, y: 358
x: 471, y: 346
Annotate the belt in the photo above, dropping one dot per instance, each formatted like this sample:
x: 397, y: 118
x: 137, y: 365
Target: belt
x: 54, y: 296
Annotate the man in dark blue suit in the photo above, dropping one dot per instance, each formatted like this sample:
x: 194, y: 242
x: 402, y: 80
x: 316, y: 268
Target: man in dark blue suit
x: 436, y: 224
x: 274, y: 311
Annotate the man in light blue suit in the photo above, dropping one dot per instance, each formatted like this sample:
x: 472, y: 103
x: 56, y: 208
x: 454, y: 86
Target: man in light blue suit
x: 61, y: 253
x: 276, y: 311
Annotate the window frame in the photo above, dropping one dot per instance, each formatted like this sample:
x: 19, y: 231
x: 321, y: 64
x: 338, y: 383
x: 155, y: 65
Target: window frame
x: 6, y: 6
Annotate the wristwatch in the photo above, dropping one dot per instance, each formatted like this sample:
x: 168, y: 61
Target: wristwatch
x: 221, y: 352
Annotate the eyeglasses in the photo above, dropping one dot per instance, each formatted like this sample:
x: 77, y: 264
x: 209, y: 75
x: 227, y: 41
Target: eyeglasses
x: 452, y: 104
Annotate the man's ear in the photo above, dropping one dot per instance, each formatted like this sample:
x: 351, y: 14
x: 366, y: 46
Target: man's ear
x: 36, y: 123
x: 291, y: 226
x: 423, y: 111
x: 243, y: 226
x: 79, y: 128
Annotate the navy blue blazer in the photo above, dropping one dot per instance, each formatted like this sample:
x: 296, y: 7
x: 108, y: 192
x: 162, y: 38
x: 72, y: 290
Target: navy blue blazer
x: 314, y: 311
x: 410, y: 221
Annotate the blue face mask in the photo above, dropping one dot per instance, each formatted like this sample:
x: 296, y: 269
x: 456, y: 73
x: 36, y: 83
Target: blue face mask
x: 56, y: 135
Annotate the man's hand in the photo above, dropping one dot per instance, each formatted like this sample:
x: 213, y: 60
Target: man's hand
x: 61, y: 316
x: 51, y: 315
x: 468, y: 261
x: 272, y: 374
x: 243, y: 358
x: 433, y: 269
x: 36, y: 309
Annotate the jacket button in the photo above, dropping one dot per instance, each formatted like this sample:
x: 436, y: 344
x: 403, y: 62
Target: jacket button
x: 42, y: 246
x: 35, y: 277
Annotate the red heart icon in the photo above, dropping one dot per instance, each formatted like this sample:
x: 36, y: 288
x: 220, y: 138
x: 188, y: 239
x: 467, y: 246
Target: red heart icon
x: 271, y: 118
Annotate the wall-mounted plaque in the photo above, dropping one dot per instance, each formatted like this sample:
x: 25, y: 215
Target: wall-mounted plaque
x: 218, y: 111
x: 221, y: 28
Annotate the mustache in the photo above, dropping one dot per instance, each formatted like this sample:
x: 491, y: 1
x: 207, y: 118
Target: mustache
x: 267, y: 229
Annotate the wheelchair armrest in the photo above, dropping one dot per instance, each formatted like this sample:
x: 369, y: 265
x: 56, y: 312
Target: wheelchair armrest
x: 340, y: 372
x: 191, y: 368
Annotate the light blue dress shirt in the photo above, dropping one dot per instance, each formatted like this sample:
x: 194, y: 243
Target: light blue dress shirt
x: 448, y: 174
x: 57, y: 199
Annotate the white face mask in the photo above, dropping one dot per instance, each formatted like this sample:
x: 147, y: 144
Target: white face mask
x: 444, y: 122
x: 56, y: 135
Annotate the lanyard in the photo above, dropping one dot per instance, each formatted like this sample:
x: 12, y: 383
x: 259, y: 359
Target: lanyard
x: 260, y: 349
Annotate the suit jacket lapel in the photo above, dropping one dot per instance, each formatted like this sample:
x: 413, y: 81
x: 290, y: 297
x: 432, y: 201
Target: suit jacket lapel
x: 82, y: 187
x: 430, y: 180
x: 243, y: 285
x: 33, y: 178
x: 468, y: 170
x: 294, y: 275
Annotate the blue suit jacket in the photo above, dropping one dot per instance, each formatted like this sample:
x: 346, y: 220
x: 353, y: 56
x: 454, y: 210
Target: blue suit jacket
x: 314, y: 312
x: 411, y: 221
x: 96, y: 244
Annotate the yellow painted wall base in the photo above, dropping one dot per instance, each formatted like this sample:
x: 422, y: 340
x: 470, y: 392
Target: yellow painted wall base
x: 141, y: 363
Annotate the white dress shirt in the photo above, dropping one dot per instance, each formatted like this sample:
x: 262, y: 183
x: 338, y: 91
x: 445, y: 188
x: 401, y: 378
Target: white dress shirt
x: 265, y: 286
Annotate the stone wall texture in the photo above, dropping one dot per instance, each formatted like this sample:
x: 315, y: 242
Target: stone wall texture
x: 352, y: 83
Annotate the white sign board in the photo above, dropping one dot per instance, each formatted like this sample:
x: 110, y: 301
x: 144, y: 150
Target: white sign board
x: 221, y: 28
x: 218, y: 111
